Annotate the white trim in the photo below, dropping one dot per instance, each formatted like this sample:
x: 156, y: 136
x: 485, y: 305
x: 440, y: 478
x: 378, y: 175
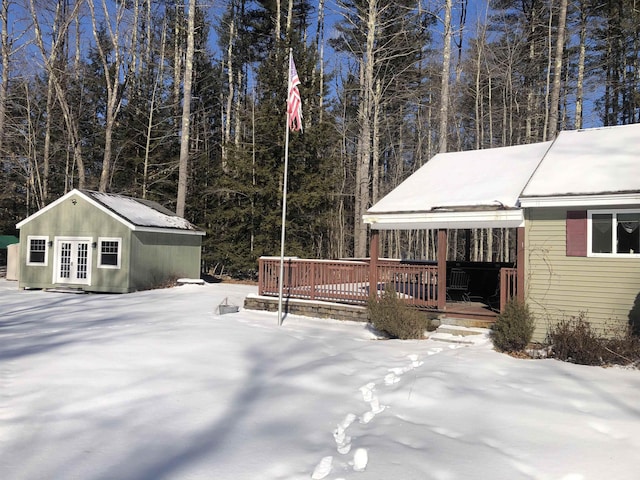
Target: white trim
x: 118, y: 240
x: 46, y: 251
x: 452, y: 220
x: 614, y: 229
x: 581, y: 200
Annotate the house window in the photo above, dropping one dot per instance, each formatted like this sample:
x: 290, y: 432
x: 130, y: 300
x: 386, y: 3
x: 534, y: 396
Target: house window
x: 110, y: 252
x: 614, y: 232
x: 37, y: 253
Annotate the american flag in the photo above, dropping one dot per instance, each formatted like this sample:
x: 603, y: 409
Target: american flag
x: 294, y: 102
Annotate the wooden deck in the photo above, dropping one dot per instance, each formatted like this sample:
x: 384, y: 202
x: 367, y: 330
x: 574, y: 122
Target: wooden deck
x: 347, y: 282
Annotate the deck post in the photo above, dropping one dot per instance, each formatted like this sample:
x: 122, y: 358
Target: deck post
x: 374, y: 253
x: 442, y: 269
x: 520, y: 236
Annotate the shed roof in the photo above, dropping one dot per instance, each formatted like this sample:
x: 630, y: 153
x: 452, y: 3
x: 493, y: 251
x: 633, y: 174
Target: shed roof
x: 6, y: 240
x: 136, y: 213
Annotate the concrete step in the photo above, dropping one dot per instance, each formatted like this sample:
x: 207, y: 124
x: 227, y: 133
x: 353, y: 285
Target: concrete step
x: 467, y: 322
x: 457, y: 334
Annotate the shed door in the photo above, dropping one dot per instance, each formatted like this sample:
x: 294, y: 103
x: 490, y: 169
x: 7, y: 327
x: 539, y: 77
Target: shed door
x: 74, y: 262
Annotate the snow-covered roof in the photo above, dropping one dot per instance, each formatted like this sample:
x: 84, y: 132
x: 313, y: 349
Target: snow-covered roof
x: 491, y: 178
x: 479, y: 188
x: 136, y: 213
x: 140, y: 212
x: 595, y: 161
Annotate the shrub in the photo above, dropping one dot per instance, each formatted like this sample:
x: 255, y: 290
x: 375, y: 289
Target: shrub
x: 574, y: 340
x: 390, y: 315
x: 513, y: 329
x: 634, y: 316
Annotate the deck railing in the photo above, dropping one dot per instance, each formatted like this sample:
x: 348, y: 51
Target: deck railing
x: 347, y: 281
x: 508, y: 285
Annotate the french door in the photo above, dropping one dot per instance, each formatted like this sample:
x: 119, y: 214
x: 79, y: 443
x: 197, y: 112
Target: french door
x: 73, y: 263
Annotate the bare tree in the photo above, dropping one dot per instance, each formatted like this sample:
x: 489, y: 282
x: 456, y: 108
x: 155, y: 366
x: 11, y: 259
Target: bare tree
x: 62, y: 22
x: 444, y: 86
x: 557, y: 70
x: 116, y: 73
x: 186, y: 111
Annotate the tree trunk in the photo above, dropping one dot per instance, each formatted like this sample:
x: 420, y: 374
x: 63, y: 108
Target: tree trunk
x: 186, y: 112
x: 444, y: 85
x: 557, y: 71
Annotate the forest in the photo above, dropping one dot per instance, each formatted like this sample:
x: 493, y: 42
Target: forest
x: 185, y: 104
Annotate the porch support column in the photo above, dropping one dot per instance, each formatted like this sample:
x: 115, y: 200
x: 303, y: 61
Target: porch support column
x: 442, y: 269
x: 520, y: 264
x: 374, y: 252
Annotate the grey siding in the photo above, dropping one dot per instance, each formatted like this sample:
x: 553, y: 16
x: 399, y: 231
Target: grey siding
x: 558, y: 287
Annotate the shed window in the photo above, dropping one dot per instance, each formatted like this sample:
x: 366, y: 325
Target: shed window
x: 37, y: 254
x: 110, y: 252
x: 614, y: 232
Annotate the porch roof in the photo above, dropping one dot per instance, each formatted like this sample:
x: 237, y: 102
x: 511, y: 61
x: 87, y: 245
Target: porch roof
x: 471, y: 189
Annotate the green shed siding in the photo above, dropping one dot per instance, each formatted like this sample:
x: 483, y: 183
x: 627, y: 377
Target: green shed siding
x: 158, y: 257
x: 147, y: 258
x: 558, y: 286
x: 68, y: 219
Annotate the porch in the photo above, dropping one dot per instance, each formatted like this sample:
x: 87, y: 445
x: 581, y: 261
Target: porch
x: 350, y: 282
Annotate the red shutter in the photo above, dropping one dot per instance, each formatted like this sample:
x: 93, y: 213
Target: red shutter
x: 577, y: 233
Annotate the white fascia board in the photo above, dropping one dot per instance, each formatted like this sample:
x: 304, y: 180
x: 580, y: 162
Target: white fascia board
x: 581, y: 200
x: 49, y: 207
x: 451, y: 220
x: 168, y: 230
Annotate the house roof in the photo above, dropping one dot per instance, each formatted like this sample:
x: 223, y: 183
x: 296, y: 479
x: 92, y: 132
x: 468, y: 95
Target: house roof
x: 136, y: 213
x: 477, y: 186
x: 488, y: 188
x: 596, y: 162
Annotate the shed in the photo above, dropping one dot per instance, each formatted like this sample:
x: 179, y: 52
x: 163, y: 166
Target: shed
x: 104, y: 242
x: 575, y: 202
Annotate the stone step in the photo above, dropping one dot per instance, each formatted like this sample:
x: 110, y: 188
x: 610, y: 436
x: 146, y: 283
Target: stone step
x: 457, y: 334
x: 467, y: 322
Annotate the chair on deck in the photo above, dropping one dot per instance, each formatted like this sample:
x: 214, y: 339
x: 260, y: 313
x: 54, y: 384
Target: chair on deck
x: 458, y: 285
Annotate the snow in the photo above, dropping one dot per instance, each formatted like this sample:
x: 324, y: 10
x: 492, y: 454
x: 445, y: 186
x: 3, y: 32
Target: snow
x: 140, y: 213
x: 492, y: 178
x: 588, y: 162
x: 156, y: 385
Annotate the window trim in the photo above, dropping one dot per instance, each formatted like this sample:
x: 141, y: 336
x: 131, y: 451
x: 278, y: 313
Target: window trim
x: 117, y: 240
x: 614, y: 232
x: 45, y: 262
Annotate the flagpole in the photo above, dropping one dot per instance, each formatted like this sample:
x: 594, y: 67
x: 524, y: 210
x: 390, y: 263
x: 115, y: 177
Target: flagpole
x: 284, y: 214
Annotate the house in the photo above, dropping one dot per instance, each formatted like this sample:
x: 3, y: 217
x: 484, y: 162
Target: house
x: 575, y: 204
x: 103, y: 242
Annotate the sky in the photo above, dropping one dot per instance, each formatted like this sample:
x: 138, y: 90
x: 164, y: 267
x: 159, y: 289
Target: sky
x: 158, y: 385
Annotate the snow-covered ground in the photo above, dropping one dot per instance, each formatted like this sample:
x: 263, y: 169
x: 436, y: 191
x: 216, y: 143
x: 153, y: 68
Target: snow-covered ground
x: 156, y: 385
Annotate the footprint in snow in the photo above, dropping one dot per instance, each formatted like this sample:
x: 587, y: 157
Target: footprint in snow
x: 367, y: 391
x: 323, y: 468
x: 343, y: 441
x: 360, y: 459
x: 391, y: 378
